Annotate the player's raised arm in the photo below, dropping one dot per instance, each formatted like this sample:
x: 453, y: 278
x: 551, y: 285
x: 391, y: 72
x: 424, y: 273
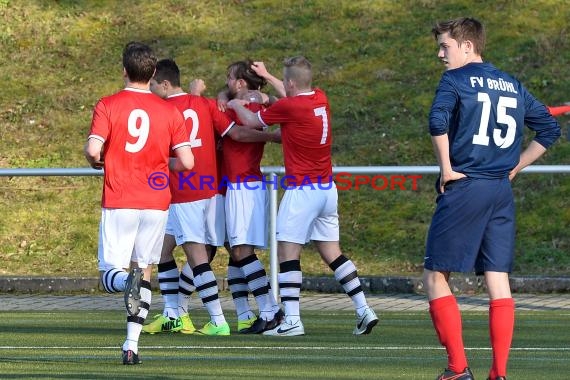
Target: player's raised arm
x: 197, y: 87
x: 277, y: 84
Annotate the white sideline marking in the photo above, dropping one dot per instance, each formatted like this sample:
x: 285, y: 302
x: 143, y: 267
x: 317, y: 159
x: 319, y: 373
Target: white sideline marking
x: 296, y: 348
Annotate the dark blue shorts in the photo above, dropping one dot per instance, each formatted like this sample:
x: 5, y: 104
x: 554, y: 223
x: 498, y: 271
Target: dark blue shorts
x: 473, y: 227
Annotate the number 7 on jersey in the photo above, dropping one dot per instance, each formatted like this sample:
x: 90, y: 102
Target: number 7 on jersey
x: 322, y: 112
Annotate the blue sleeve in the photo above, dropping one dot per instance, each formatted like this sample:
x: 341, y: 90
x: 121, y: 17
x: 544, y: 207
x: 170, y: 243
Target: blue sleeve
x: 537, y: 118
x: 445, y: 101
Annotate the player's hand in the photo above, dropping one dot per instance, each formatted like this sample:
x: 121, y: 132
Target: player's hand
x: 98, y: 165
x: 259, y: 68
x: 446, y: 178
x: 197, y: 87
x: 222, y: 101
x: 276, y: 136
x: 513, y: 173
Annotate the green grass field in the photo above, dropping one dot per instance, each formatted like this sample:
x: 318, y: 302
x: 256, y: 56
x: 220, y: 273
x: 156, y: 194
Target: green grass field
x: 86, y: 345
x: 376, y: 60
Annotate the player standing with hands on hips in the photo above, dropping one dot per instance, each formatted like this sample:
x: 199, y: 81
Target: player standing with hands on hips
x: 309, y: 207
x: 476, y: 123
x: 137, y: 130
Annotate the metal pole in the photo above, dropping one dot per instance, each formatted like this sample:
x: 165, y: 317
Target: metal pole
x: 273, y: 260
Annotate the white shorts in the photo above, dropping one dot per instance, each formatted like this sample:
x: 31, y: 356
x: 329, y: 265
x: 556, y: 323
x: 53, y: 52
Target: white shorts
x: 187, y: 222
x: 307, y: 213
x: 246, y: 214
x: 216, y: 221
x: 127, y: 235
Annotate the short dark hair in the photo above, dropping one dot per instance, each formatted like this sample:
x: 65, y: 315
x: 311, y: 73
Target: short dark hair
x: 139, y: 62
x: 463, y: 29
x: 242, y: 70
x: 299, y: 69
x: 167, y: 69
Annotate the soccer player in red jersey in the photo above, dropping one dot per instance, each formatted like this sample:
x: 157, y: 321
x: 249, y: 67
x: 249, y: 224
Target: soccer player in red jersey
x: 476, y: 124
x: 137, y: 131
x: 247, y: 206
x: 308, y: 210
x: 193, y: 196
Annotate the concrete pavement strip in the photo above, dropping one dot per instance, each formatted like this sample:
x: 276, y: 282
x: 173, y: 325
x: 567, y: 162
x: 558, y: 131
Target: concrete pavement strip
x: 309, y: 301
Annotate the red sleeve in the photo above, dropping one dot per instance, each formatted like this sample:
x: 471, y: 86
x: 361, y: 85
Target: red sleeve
x: 100, y: 126
x: 277, y: 113
x: 178, y: 135
x: 222, y: 121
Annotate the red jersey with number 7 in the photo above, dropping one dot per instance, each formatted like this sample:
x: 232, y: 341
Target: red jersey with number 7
x: 138, y: 130
x: 305, y: 135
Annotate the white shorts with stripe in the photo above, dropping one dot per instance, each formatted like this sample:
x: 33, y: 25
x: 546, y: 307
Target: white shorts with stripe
x: 127, y: 235
x: 308, y: 213
x: 246, y: 214
x: 196, y: 222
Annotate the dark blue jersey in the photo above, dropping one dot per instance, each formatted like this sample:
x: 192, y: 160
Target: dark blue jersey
x: 483, y: 110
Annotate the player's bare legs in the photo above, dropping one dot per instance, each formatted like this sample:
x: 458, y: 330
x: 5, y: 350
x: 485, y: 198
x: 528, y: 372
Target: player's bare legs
x: 147, y: 271
x: 435, y: 284
x: 196, y: 253
x: 287, y: 251
x: 501, y: 320
x: 498, y: 285
x: 346, y: 274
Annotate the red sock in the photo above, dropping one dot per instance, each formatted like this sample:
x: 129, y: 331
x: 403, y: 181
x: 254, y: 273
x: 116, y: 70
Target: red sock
x: 446, y: 319
x: 501, y: 325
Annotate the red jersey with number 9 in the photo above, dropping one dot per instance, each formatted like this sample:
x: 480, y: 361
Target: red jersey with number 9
x: 139, y: 130
x: 305, y: 135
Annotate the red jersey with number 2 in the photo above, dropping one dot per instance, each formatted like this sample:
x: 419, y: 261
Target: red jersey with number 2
x: 139, y: 130
x: 306, y: 137
x: 200, y: 118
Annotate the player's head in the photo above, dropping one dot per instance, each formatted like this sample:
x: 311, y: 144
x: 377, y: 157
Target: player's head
x: 166, y: 76
x: 297, y: 73
x: 240, y: 77
x: 139, y: 62
x: 460, y: 41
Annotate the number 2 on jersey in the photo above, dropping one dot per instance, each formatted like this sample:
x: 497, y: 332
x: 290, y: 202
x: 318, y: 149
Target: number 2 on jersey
x: 322, y: 112
x: 191, y: 114
x: 481, y: 138
x: 141, y: 132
